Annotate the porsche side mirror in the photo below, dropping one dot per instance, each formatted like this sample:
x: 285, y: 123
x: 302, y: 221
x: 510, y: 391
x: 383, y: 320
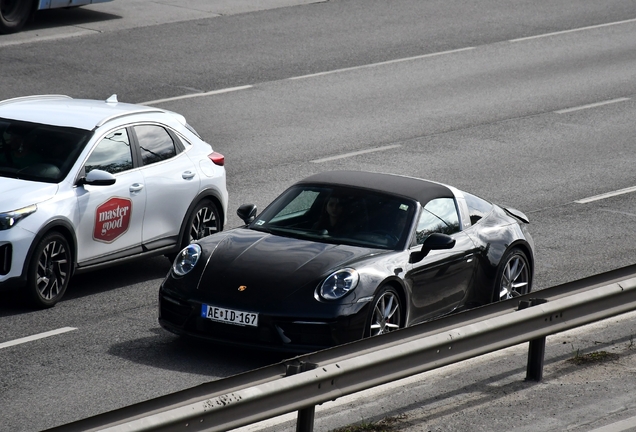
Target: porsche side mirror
x: 97, y: 178
x: 435, y: 241
x: 247, y: 213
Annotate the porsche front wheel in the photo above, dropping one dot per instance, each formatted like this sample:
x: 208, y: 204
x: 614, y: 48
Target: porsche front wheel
x: 385, y: 314
x: 513, y: 276
x: 49, y: 271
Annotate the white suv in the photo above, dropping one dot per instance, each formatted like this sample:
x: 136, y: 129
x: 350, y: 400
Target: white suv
x: 85, y: 184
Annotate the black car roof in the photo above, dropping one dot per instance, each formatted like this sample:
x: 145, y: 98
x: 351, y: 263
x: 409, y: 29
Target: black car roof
x: 410, y: 187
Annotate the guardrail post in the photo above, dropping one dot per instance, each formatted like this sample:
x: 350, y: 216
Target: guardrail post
x: 305, y: 421
x: 536, y: 347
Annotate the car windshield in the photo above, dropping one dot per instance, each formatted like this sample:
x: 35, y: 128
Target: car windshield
x: 37, y: 152
x: 339, y: 215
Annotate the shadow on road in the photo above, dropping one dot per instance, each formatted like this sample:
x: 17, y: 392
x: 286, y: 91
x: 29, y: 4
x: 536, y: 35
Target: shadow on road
x: 177, y: 354
x: 76, y: 16
x: 88, y: 284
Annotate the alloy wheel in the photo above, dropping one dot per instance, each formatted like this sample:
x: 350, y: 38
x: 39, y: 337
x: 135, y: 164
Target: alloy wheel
x: 204, y: 222
x: 515, y: 277
x: 52, y: 270
x: 386, y: 315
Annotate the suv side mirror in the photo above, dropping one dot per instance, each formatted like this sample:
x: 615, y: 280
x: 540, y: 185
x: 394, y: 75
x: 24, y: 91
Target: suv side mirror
x: 435, y: 241
x: 247, y: 213
x: 97, y: 178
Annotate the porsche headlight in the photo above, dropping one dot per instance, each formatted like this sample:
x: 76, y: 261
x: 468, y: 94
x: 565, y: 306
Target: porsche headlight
x: 186, y: 260
x: 9, y: 219
x: 339, y: 283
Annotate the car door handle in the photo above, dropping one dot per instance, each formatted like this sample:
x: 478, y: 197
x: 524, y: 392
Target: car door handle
x: 187, y: 175
x: 136, y: 187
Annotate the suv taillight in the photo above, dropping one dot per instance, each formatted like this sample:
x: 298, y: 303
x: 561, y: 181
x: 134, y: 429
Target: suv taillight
x: 217, y: 158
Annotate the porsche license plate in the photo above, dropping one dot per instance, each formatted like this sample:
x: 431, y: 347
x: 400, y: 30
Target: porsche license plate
x: 229, y: 316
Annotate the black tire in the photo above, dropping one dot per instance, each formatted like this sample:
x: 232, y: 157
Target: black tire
x: 49, y: 271
x: 386, y: 313
x: 513, y: 276
x: 203, y: 221
x: 14, y: 14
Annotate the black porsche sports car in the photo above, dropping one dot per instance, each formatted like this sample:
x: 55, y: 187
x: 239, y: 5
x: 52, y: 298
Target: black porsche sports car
x: 343, y: 255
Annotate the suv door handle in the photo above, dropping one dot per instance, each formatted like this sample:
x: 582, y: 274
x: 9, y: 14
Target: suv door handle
x: 187, y: 175
x: 136, y: 187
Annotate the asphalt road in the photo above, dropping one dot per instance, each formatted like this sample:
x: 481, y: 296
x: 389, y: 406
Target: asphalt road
x: 529, y: 105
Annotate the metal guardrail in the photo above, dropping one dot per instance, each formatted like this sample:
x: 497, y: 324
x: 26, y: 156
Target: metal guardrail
x: 301, y: 383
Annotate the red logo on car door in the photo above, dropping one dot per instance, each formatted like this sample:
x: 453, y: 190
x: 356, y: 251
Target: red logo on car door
x: 112, y: 219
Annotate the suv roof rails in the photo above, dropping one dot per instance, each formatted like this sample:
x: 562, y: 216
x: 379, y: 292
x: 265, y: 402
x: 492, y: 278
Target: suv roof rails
x: 34, y: 97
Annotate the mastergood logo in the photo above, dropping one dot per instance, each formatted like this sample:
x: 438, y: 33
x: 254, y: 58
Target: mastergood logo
x: 112, y: 219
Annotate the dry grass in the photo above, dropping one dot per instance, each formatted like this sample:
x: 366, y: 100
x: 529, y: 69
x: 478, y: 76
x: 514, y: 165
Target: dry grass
x: 593, y: 357
x: 385, y: 425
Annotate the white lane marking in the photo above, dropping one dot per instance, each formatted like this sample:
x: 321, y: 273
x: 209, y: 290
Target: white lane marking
x: 592, y: 105
x: 195, y: 95
x: 36, y: 337
x: 381, y: 63
x: 592, y: 27
x: 346, y: 155
x: 423, y: 56
x: 606, y: 195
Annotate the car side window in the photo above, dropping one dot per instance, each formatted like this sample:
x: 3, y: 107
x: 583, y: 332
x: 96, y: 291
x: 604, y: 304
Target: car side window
x: 155, y: 143
x: 438, y: 216
x: 477, y: 207
x: 112, y: 154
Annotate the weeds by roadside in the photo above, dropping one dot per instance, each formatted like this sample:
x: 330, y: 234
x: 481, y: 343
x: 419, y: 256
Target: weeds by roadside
x: 385, y: 425
x: 593, y: 357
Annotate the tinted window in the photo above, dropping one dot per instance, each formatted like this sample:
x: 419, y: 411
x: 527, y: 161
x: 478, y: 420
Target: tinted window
x: 438, y: 216
x: 39, y: 152
x: 477, y: 207
x: 339, y: 215
x: 112, y: 154
x: 299, y: 206
x: 155, y: 144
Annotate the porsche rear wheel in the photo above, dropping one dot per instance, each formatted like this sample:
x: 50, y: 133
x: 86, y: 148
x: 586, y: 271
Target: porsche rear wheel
x: 513, y: 277
x: 14, y: 14
x: 49, y: 271
x: 385, y: 314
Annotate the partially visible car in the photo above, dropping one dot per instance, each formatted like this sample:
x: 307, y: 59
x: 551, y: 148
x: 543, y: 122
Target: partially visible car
x: 344, y: 255
x: 86, y: 184
x: 14, y: 14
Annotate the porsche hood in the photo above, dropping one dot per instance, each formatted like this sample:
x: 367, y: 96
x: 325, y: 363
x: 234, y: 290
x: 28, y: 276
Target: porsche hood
x: 254, y: 268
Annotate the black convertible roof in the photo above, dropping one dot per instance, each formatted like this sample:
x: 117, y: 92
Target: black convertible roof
x: 410, y: 187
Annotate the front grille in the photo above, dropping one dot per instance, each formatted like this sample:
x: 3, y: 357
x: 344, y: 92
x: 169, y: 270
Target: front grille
x: 318, y: 334
x: 6, y: 250
x: 235, y: 332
